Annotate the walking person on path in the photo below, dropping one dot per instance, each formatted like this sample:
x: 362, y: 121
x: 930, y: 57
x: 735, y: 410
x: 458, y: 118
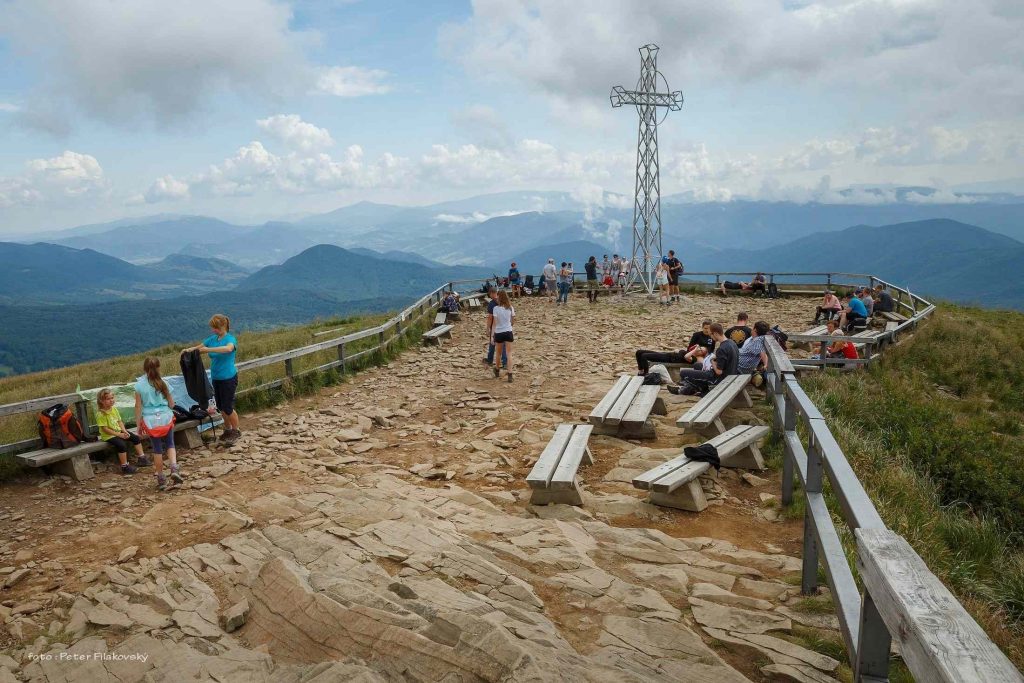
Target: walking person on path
x: 222, y: 347
x: 591, y: 268
x: 155, y: 418
x: 564, y: 283
x: 492, y: 294
x: 549, y: 277
x: 504, y: 317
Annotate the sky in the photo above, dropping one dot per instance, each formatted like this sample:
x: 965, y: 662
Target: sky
x: 252, y: 110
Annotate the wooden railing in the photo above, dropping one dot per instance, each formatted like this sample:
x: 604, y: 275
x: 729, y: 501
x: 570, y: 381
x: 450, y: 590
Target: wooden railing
x: 901, y: 598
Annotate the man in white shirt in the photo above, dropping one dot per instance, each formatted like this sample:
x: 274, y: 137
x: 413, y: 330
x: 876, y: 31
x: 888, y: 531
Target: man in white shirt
x: 549, y: 278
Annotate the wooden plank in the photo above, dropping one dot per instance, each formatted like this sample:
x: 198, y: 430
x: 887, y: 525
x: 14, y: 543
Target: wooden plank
x: 858, y: 510
x: 47, y: 456
x: 601, y: 409
x: 644, y: 481
x: 938, y: 639
x: 37, y: 404
x: 845, y: 596
x: 681, y: 475
x: 545, y: 466
x: 711, y: 406
x: 565, y: 474
x: 440, y: 318
x: 778, y: 361
x: 737, y: 438
x: 640, y: 408
x: 622, y: 403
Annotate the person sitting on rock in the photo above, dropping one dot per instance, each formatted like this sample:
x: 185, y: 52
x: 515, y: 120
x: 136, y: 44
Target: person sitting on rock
x: 854, y: 313
x: 830, y: 307
x: 723, y: 363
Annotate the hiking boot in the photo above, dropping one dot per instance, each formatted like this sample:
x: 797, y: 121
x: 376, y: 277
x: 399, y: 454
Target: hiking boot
x: 229, y: 437
x: 142, y: 461
x: 128, y: 469
x: 510, y: 378
x: 161, y: 483
x: 497, y: 371
x: 673, y: 389
x: 176, y: 476
x: 688, y: 390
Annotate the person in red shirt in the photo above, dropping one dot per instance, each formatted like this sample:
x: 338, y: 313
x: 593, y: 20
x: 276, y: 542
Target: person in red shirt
x: 839, y: 348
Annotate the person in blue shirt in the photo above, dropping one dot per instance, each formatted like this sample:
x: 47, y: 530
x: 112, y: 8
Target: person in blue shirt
x: 222, y: 347
x: 514, y: 280
x: 854, y: 313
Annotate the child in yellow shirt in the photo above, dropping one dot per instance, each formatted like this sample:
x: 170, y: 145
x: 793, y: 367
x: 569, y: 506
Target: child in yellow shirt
x: 113, y: 431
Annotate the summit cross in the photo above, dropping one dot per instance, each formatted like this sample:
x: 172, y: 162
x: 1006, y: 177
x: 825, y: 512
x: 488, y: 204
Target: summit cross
x: 647, y: 203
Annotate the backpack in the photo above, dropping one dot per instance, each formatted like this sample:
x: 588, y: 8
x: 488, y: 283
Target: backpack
x: 197, y: 384
x: 773, y: 291
x: 780, y: 336
x: 59, y: 428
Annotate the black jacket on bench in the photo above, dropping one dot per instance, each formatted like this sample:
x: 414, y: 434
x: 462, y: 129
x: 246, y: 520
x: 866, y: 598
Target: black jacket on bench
x: 197, y: 384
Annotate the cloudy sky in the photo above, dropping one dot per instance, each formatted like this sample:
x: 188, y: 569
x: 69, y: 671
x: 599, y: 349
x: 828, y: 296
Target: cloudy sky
x: 257, y: 109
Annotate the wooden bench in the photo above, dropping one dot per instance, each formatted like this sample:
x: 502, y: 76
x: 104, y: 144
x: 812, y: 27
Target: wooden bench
x: 891, y: 317
x: 553, y: 478
x: 74, y: 461
x: 440, y: 319
x: 626, y: 408
x: 674, y: 483
x: 434, y: 336
x: 473, y: 303
x: 820, y: 329
x: 708, y: 411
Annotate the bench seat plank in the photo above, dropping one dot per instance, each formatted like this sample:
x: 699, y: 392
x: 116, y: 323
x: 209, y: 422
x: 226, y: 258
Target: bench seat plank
x: 48, y: 456
x: 622, y: 403
x: 599, y: 412
x: 441, y: 318
x: 544, y: 468
x: 565, y: 474
x: 711, y: 406
x: 689, y: 471
x: 640, y: 409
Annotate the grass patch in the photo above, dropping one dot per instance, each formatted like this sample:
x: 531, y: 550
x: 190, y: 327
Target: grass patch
x: 814, y: 605
x: 932, y: 432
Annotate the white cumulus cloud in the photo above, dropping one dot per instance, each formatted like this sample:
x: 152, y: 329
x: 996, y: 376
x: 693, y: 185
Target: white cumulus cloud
x: 167, y: 188
x: 351, y: 81
x: 296, y: 133
x: 70, y: 176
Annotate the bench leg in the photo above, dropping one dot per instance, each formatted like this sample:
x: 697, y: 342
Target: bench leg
x: 748, y: 458
x: 569, y: 496
x: 690, y: 496
x: 715, y: 428
x: 188, y: 439
x: 77, y: 467
x: 744, y: 398
x: 659, y: 407
x: 588, y: 456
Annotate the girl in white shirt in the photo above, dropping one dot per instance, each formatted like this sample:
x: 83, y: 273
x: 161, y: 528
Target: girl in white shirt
x: 504, y: 316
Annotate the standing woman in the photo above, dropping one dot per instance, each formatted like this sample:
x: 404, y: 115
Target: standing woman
x: 155, y: 419
x: 661, y: 278
x: 504, y: 316
x: 222, y: 347
x: 564, y: 283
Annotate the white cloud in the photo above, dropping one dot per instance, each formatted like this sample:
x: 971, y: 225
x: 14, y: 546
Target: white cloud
x: 167, y: 188
x: 151, y: 59
x: 934, y: 55
x: 351, y: 81
x: 8, y: 107
x: 59, y: 179
x: 475, y: 217
x: 296, y: 133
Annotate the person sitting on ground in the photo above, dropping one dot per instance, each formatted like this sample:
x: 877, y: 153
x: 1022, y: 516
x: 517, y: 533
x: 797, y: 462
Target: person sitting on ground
x: 830, y: 307
x: 450, y: 303
x: 740, y: 332
x: 854, y: 313
x: 883, y: 300
x: 113, y: 431
x: 549, y: 277
x: 867, y: 300
x: 514, y: 280
x: 753, y: 355
x: 723, y: 362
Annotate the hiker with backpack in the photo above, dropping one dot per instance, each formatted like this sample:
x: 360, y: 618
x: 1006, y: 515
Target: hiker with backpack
x: 113, y: 431
x: 222, y: 347
x: 155, y: 417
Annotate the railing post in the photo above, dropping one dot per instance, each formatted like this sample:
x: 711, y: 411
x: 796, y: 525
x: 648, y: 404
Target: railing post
x: 872, y: 657
x: 341, y: 356
x: 380, y: 340
x: 828, y: 279
x: 398, y: 327
x: 809, y: 582
x: 788, y: 466
x: 288, y: 369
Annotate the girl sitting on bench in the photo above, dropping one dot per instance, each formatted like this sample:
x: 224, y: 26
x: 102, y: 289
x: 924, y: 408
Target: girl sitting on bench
x: 113, y: 431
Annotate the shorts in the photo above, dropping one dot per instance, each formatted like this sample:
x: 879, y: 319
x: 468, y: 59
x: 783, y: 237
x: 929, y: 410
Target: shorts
x: 673, y: 279
x: 224, y: 394
x: 592, y: 284
x: 661, y: 279
x: 502, y: 337
x: 121, y: 445
x: 161, y: 444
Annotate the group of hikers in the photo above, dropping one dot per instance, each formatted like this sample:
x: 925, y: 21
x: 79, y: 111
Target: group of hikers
x: 558, y: 281
x: 860, y: 305
x: 154, y: 407
x: 712, y: 354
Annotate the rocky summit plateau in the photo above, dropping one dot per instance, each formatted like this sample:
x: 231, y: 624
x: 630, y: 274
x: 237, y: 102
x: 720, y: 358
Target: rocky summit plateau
x: 381, y: 530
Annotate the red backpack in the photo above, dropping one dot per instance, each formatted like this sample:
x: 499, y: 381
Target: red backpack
x: 59, y: 428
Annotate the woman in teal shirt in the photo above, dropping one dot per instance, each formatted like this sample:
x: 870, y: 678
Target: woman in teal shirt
x: 222, y: 347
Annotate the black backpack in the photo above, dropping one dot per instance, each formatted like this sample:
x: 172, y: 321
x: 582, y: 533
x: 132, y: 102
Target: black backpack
x: 780, y: 336
x: 773, y: 292
x: 197, y: 384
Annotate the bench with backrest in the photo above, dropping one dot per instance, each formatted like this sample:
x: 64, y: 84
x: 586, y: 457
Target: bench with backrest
x: 553, y: 477
x: 674, y: 483
x: 440, y: 319
x: 626, y: 409
x: 707, y: 412
x: 433, y: 336
x: 74, y: 461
